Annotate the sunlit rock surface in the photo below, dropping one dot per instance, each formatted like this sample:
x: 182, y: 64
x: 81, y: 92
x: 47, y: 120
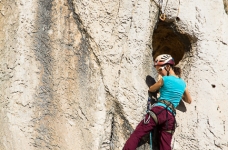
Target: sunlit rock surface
x: 72, y: 73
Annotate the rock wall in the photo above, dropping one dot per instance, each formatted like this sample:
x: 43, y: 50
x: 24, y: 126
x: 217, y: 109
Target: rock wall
x: 73, y: 73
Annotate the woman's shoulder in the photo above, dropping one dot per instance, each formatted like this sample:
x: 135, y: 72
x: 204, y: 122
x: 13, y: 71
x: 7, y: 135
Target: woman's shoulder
x: 174, y: 79
x: 171, y: 77
x: 183, y: 82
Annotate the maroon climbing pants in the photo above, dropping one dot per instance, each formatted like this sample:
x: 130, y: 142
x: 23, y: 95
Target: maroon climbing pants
x: 166, y: 122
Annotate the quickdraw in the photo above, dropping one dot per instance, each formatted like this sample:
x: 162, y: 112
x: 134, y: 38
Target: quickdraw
x: 162, y: 16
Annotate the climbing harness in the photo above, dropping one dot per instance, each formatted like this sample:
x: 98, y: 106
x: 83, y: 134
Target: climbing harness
x: 168, y: 105
x: 154, y: 116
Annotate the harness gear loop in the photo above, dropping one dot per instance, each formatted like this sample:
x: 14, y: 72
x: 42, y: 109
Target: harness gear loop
x: 162, y: 17
x: 154, y: 116
x: 146, y: 121
x: 169, y: 105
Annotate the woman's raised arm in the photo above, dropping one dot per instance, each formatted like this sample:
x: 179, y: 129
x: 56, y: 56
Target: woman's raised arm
x: 156, y: 86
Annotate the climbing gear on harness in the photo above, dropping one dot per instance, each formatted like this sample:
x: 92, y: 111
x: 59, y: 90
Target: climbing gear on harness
x: 154, y: 116
x: 168, y: 105
x: 151, y: 114
x: 164, y: 59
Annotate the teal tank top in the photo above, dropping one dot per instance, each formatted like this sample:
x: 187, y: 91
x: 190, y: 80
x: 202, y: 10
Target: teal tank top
x: 172, y: 90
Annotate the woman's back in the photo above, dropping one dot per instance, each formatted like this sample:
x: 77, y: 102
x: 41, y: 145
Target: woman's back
x: 172, y: 89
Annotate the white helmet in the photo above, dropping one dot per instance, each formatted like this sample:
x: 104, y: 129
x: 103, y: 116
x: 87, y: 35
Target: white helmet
x: 164, y: 59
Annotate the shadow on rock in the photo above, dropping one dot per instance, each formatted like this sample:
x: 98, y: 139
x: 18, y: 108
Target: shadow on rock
x: 181, y: 107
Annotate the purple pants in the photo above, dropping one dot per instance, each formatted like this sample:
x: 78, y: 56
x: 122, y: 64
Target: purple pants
x: 142, y: 129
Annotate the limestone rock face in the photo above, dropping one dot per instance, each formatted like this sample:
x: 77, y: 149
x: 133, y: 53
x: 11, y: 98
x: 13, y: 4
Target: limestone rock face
x: 72, y: 73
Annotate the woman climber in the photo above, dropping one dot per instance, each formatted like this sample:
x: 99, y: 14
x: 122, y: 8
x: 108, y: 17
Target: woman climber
x: 162, y: 114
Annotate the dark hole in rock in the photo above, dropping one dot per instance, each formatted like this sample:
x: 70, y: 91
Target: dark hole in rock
x: 168, y: 40
x: 225, y: 2
x: 177, y: 19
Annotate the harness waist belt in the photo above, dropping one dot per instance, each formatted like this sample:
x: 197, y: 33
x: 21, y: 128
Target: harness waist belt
x: 168, y: 105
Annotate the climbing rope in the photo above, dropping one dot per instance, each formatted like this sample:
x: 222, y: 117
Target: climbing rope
x: 157, y: 4
x: 178, y: 10
x: 151, y: 147
x: 176, y: 26
x: 147, y: 121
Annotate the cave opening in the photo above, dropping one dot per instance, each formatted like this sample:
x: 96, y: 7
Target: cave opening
x: 225, y: 3
x: 167, y: 39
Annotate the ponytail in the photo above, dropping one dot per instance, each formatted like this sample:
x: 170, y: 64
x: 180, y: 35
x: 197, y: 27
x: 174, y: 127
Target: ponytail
x: 177, y: 71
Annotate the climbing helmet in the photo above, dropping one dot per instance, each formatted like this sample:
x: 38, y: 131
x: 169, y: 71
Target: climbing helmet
x: 164, y: 59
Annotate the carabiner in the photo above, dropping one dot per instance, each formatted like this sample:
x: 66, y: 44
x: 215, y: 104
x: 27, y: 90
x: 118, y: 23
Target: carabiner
x: 162, y: 17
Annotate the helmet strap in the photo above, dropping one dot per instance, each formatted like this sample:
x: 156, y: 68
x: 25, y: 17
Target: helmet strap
x: 167, y: 70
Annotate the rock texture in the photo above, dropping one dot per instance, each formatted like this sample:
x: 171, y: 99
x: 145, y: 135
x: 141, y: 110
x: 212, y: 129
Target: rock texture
x: 72, y: 73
